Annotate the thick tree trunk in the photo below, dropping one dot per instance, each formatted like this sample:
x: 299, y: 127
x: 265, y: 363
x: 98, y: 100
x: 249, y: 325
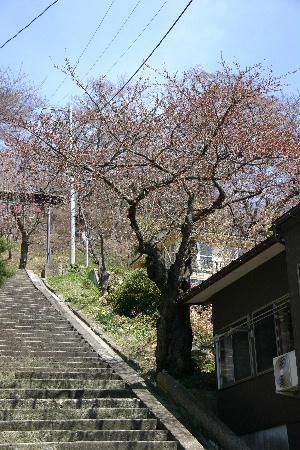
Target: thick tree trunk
x: 24, y: 251
x: 174, y: 338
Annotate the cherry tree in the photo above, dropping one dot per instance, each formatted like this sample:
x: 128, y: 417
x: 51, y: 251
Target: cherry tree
x: 17, y: 97
x: 25, y: 193
x: 177, y: 155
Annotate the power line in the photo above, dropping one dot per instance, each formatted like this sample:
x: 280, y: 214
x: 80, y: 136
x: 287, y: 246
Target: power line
x: 87, y: 45
x: 28, y: 25
x: 81, y: 85
x: 115, y: 36
x: 148, y: 57
x: 137, y: 38
x: 95, y: 32
x: 128, y: 48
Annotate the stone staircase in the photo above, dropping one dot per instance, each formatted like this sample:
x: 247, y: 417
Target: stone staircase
x: 55, y: 391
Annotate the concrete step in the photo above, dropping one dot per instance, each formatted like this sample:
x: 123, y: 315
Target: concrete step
x: 92, y: 374
x: 47, y: 325
x: 79, y: 413
x: 32, y: 371
x: 21, y: 319
x: 78, y: 424
x: 32, y: 325
x: 4, y: 334
x: 66, y: 393
x: 30, y: 315
x: 35, y: 334
x: 9, y: 300
x: 15, y: 437
x: 52, y: 363
x: 43, y: 337
x: 38, y: 322
x: 61, y: 354
x: 25, y: 306
x: 15, y: 343
x: 62, y: 384
x: 15, y: 312
x: 25, y: 347
x: 30, y: 340
x: 43, y: 342
x: 38, y: 327
x: 68, y: 403
x: 96, y: 445
x: 29, y: 357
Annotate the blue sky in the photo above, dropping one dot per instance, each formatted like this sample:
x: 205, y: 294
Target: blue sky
x: 248, y: 32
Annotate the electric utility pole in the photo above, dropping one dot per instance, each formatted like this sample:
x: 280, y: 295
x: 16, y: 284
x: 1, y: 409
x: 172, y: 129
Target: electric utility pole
x: 49, y: 236
x: 72, y: 196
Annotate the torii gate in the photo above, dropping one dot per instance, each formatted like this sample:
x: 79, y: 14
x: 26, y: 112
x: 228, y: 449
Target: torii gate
x: 29, y: 198
x: 34, y: 198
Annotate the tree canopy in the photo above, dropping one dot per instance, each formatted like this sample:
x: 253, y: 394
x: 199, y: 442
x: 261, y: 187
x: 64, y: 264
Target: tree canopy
x: 173, y: 156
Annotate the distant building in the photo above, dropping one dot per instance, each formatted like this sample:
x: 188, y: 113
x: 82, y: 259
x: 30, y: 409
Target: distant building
x: 209, y: 259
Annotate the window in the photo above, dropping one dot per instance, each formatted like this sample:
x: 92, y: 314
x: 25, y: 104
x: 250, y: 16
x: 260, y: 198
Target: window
x: 265, y: 339
x: 283, y: 328
x: 241, y: 352
x: 272, y: 333
x: 234, y: 354
x: 249, y: 346
x: 204, y: 258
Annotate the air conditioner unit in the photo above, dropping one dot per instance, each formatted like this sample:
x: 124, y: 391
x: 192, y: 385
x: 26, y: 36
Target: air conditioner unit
x: 285, y: 372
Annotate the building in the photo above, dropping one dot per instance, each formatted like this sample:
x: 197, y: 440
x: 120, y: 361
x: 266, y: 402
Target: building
x: 256, y: 320
x: 208, y: 259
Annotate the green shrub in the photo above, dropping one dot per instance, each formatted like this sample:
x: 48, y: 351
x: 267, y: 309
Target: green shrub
x: 4, y: 246
x: 136, y: 295
x: 104, y: 317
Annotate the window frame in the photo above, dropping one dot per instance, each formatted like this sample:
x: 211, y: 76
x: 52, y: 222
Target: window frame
x: 204, y: 260
x: 250, y: 322
x: 230, y: 331
x: 271, y: 307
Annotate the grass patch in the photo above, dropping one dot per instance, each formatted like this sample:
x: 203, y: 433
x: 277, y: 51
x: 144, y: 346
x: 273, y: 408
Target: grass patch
x: 136, y: 336
x: 76, y: 287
